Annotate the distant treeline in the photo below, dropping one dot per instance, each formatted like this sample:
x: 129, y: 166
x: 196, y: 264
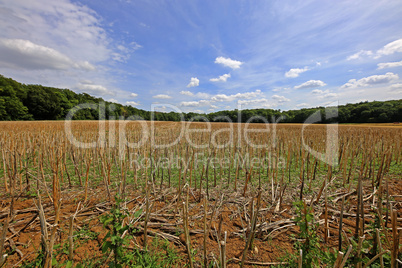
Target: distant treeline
x: 35, y: 102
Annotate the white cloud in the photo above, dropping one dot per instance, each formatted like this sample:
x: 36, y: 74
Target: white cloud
x: 122, y: 53
x: 187, y: 93
x: 246, y: 95
x: 88, y: 87
x: 113, y: 100
x: 321, y: 94
x: 282, y: 89
x: 302, y: 105
x: 330, y: 95
x: 317, y: 91
x: 360, y: 54
x: 396, y: 89
x: 371, y: 80
x: 23, y: 54
x: 134, y: 46
x: 132, y: 103
x: 62, y: 25
x: 396, y: 86
x: 280, y: 99
x: 221, y: 78
x: 58, y: 43
x: 390, y: 48
x: 263, y: 103
x: 228, y: 62
x: 203, y: 95
x: 195, y: 103
x: 310, y: 84
x: 133, y: 95
x: 389, y: 65
x: 294, y: 72
x: 246, y: 98
x: 223, y: 97
x: 162, y: 96
x: 194, y: 82
x: 328, y: 104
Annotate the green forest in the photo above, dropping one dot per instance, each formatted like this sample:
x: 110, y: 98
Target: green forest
x: 35, y: 102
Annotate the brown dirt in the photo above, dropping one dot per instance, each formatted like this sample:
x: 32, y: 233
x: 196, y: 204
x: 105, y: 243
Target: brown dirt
x: 232, y: 210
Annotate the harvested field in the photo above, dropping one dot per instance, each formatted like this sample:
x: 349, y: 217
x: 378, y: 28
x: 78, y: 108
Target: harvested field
x: 206, y: 194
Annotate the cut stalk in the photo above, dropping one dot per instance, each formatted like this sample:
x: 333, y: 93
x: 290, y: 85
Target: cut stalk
x: 2, y: 241
x: 187, y: 234
x: 223, y: 252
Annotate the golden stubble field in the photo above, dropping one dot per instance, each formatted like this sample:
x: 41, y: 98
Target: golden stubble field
x: 214, y: 194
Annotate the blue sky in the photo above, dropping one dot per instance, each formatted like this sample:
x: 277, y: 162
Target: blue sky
x: 206, y: 56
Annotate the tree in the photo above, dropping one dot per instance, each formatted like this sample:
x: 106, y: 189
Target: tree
x: 16, y: 110
x: 3, y: 111
x: 43, y: 103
